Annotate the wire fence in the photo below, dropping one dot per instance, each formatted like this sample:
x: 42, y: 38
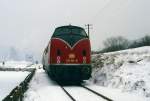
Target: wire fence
x: 17, y: 93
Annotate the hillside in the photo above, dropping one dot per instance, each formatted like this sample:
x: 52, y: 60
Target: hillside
x: 128, y: 70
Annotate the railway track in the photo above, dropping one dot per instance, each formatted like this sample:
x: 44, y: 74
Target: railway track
x: 70, y: 96
x: 58, y: 92
x: 89, y: 90
x: 103, y: 96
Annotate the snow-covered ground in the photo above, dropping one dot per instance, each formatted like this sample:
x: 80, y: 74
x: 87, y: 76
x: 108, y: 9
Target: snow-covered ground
x: 42, y: 88
x: 121, y: 76
x: 9, y: 80
x: 15, y: 64
x: 81, y: 94
x: 127, y: 70
x: 117, y: 94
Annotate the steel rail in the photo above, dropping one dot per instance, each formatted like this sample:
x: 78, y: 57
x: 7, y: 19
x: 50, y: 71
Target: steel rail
x: 71, y: 97
x: 68, y: 93
x: 104, y: 97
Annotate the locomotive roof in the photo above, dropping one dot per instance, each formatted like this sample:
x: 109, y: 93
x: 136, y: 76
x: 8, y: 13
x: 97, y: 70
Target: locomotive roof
x: 69, y: 26
x: 71, y: 34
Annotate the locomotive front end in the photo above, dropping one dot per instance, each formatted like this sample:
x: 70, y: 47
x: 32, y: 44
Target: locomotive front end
x: 70, y: 54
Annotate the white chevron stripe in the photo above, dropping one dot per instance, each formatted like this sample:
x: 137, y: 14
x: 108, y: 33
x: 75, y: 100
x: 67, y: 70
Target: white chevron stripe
x: 69, y: 44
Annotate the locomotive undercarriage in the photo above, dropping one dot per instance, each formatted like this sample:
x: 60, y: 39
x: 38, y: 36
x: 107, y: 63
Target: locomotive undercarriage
x: 69, y: 73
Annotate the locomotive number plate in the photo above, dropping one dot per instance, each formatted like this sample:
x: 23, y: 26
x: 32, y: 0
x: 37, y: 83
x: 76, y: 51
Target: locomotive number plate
x: 72, y: 56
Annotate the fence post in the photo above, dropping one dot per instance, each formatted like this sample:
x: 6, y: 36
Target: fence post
x: 21, y: 96
x: 11, y: 98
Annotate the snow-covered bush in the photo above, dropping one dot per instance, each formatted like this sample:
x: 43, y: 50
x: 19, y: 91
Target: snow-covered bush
x: 128, y: 70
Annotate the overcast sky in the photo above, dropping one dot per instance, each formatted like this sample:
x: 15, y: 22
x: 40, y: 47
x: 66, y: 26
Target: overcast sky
x: 29, y: 24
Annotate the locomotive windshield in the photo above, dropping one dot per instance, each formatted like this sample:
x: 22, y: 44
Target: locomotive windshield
x: 70, y: 30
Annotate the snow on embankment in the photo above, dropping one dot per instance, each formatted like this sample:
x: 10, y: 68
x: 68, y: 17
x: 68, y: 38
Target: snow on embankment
x: 128, y: 70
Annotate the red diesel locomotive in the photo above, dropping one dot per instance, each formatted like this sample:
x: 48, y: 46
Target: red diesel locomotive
x: 67, y: 56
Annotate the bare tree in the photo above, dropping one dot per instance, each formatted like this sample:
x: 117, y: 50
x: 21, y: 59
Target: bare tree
x: 146, y: 40
x: 115, y: 43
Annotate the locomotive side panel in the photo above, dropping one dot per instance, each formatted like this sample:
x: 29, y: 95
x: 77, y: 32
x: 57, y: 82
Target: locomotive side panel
x: 46, y: 56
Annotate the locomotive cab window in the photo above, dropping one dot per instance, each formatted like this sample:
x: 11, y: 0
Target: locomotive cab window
x: 70, y: 30
x: 84, y: 53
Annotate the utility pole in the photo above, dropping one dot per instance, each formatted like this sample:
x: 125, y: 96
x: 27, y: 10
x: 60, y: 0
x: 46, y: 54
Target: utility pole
x: 88, y: 27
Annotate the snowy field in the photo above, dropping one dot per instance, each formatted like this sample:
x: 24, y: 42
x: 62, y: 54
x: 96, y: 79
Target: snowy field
x: 127, y: 70
x: 9, y: 80
x: 16, y: 64
x: 42, y: 88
